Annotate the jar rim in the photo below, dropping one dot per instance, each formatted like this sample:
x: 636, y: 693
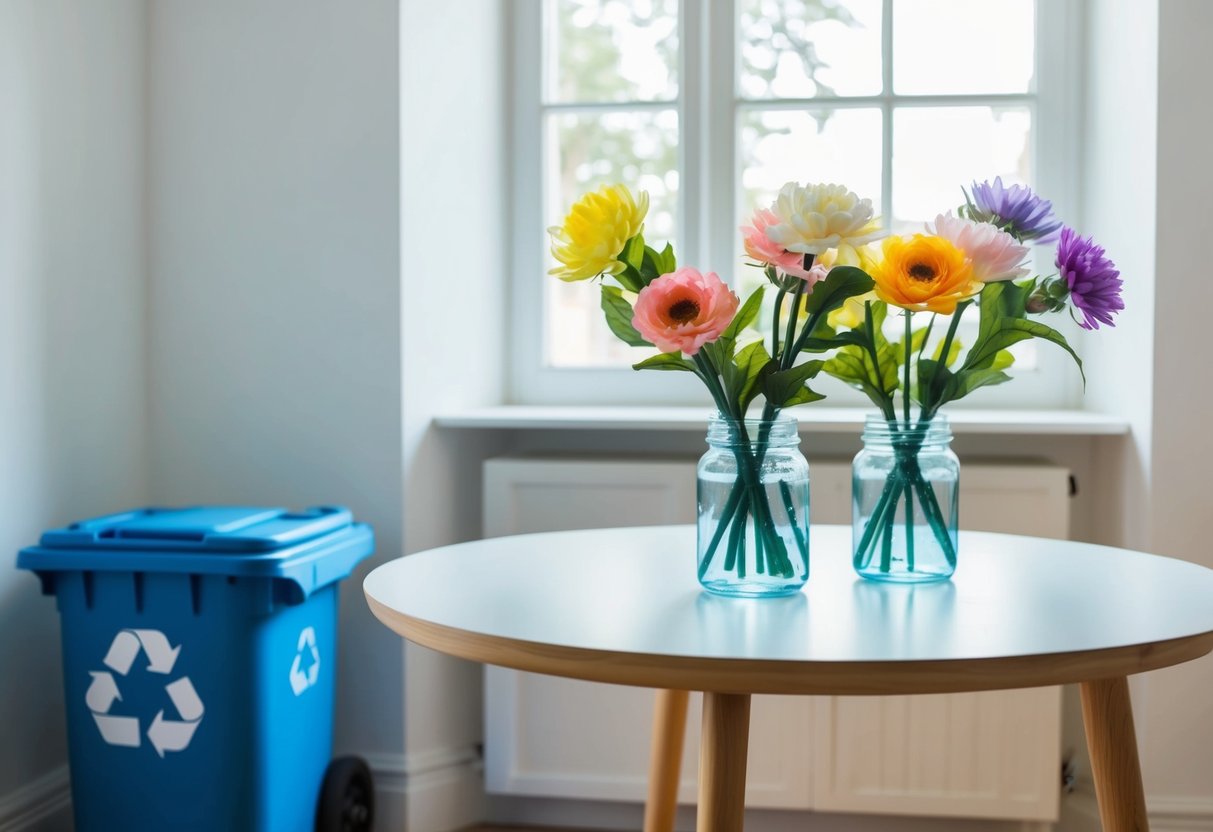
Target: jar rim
x: 782, y: 431
x: 935, y: 430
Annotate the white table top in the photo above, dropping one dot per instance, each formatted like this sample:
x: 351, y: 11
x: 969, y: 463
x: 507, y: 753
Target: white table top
x: 623, y: 605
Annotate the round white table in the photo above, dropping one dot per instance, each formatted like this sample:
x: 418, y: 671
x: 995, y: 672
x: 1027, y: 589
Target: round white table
x: 623, y: 606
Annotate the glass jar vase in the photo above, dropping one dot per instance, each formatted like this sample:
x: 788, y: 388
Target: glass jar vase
x: 905, y: 490
x: 753, y: 508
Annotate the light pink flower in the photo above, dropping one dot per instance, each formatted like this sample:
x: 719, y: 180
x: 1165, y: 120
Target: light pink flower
x: 767, y: 252
x: 996, y: 255
x: 683, y: 310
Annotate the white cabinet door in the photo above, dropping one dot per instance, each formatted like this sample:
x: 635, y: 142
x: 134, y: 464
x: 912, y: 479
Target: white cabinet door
x: 993, y: 754
x: 553, y: 737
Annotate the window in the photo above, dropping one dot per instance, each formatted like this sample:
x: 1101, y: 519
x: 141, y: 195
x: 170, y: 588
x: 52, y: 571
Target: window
x: 711, y: 105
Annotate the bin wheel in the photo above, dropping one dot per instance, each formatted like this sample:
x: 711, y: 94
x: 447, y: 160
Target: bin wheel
x: 347, y: 797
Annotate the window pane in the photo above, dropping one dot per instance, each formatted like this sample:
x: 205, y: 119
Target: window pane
x: 939, y: 150
x: 963, y: 46
x: 610, y: 50
x: 808, y: 48
x: 639, y: 149
x: 778, y: 146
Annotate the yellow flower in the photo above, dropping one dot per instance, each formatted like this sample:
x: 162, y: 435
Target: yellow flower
x: 851, y: 314
x: 924, y: 273
x: 595, y: 232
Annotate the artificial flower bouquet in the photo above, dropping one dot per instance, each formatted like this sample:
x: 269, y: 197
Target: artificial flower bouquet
x: 835, y: 282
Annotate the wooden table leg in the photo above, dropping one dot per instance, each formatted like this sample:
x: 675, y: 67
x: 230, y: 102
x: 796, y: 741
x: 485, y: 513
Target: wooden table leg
x: 665, y: 759
x: 722, y: 762
x: 1108, y: 717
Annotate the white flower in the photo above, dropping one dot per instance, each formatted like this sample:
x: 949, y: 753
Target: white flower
x: 996, y: 255
x: 814, y: 218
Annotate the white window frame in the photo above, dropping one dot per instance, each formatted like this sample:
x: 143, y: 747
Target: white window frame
x: 707, y: 195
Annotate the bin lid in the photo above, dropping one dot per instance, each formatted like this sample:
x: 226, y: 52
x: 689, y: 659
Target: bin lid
x: 310, y: 548
x: 201, y: 528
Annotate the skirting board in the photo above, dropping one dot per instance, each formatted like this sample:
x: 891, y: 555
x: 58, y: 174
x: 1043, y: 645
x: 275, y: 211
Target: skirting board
x: 434, y: 791
x: 428, y: 792
x: 1180, y: 814
x: 43, y: 804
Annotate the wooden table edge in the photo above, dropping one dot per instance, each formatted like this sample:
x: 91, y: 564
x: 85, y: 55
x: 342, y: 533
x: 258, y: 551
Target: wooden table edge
x: 772, y: 676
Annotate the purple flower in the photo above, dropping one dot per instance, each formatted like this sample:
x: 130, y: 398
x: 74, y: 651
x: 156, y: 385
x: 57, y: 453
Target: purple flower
x: 1017, y: 210
x: 1092, y: 278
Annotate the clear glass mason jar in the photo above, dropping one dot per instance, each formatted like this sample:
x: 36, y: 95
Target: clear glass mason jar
x: 753, y: 508
x: 904, y: 496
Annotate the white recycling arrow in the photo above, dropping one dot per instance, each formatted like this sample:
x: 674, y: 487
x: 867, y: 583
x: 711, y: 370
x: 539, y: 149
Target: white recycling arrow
x: 301, y: 681
x: 102, y: 693
x: 165, y: 735
x: 168, y: 735
x: 161, y: 656
x: 185, y: 699
x: 118, y: 730
x: 122, y: 652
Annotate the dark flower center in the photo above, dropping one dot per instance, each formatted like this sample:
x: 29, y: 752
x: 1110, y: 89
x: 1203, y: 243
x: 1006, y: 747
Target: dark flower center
x: 923, y: 272
x: 683, y: 311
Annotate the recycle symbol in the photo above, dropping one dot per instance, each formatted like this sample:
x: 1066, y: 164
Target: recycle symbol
x: 305, y: 670
x: 163, y: 734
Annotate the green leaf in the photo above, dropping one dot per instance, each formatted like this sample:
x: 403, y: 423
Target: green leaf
x: 833, y: 342
x: 953, y: 352
x: 746, y: 315
x: 804, y: 395
x: 633, y: 252
x: 841, y: 283
x: 667, y: 361
x: 742, y: 376
x: 916, y: 339
x: 933, y: 381
x: 618, y: 314
x: 783, y: 386
x: 967, y: 381
x: 1008, y: 331
x: 666, y: 262
x: 853, y: 365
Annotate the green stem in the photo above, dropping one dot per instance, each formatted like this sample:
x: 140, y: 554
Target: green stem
x: 745, y: 463
x: 929, y: 405
x: 927, y: 335
x: 886, y: 404
x: 905, y: 408
x: 726, y: 518
x: 790, y: 506
x: 789, y: 338
x: 775, y: 324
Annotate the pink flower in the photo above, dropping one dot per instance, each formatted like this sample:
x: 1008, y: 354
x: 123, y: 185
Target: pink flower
x: 762, y: 249
x: 683, y: 310
x: 996, y: 255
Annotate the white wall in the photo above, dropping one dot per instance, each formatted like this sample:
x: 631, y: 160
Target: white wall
x: 274, y: 321
x: 71, y: 331
x: 1177, y: 720
x: 454, y: 250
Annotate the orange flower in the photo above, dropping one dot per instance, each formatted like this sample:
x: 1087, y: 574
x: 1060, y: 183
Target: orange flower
x: 924, y: 274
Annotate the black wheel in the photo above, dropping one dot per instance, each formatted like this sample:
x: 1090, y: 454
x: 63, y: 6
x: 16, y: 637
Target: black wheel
x: 347, y: 797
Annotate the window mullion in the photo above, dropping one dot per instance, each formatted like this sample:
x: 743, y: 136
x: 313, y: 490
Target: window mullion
x: 718, y: 169
x: 886, y: 114
x: 691, y: 192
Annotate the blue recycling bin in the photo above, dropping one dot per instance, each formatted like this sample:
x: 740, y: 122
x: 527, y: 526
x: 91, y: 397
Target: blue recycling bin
x: 199, y: 656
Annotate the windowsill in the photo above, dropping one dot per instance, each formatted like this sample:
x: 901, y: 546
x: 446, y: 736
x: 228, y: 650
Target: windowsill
x: 812, y: 420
